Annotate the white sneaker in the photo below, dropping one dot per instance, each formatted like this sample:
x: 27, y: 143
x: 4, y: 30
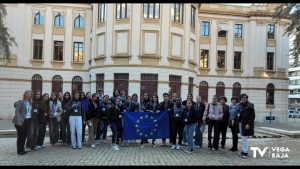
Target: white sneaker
x: 27, y: 149
x: 173, y: 147
x: 38, y: 147
x: 115, y: 148
x: 213, y: 149
x: 177, y: 147
x: 143, y: 145
x: 185, y: 143
x: 93, y: 146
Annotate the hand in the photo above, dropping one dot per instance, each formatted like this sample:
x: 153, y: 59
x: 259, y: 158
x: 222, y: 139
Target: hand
x: 124, y: 111
x: 169, y: 109
x: 120, y: 116
x: 151, y: 111
x: 157, y: 111
x: 247, y: 127
x: 19, y: 124
x: 204, y: 119
x: 232, y: 122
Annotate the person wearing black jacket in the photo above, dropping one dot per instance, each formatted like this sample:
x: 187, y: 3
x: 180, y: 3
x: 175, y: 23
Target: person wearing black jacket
x: 38, y: 109
x: 167, y: 106
x: 116, y: 94
x: 189, y: 97
x: 144, y: 104
x: 119, y: 124
x: 233, y: 123
x: 92, y: 120
x: 177, y: 123
x: 114, y: 115
x: 64, y: 122
x: 45, y: 120
x: 200, y: 107
x: 190, y: 121
x: 224, y: 122
x: 103, y: 118
x: 246, y: 122
x: 153, y: 107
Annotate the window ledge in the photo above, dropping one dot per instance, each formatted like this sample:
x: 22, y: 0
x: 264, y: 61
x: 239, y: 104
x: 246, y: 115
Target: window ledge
x: 57, y: 61
x: 38, y: 25
x: 122, y: 20
x: 151, y: 20
x: 59, y: 27
x: 270, y: 106
x: 75, y: 28
x: 81, y: 63
x: 237, y: 70
x: 180, y: 25
x: 238, y: 38
x: 121, y: 56
x: 36, y: 60
x: 176, y: 59
x: 270, y: 71
x: 99, y: 57
x: 100, y: 24
x: 221, y: 70
x: 204, y: 68
x: 150, y: 56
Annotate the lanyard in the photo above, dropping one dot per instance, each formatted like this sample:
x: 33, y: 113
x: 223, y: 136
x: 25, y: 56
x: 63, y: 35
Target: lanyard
x: 53, y: 108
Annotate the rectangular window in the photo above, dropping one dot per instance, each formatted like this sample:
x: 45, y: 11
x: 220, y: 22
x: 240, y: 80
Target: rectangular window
x: 37, y: 49
x: 149, y: 83
x: 174, y: 85
x: 101, y: 12
x: 222, y: 33
x: 271, y: 31
x: 237, y: 60
x: 58, y: 50
x: 99, y: 81
x: 193, y: 17
x: 78, y: 52
x: 191, y: 82
x: 177, y: 12
x: 238, y: 31
x: 221, y: 59
x: 270, y: 61
x: 121, y: 81
x: 122, y: 10
x: 205, y: 28
x: 151, y: 10
x: 204, y: 59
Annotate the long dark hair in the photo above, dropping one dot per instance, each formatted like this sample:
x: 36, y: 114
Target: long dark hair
x: 74, y: 96
x: 114, y: 93
x: 156, y: 97
x: 37, y: 100
x: 80, y: 93
x: 148, y: 100
x: 64, y: 99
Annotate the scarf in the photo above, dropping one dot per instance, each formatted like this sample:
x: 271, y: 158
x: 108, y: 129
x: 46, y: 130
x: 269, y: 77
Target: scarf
x: 135, y: 102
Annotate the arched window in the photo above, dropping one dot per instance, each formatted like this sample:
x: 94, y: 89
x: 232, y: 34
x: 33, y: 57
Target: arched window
x: 39, y: 18
x: 270, y: 94
x: 37, y: 83
x: 59, y: 20
x: 220, y: 89
x: 79, y: 22
x: 236, y: 89
x: 76, y: 84
x: 203, y: 91
x: 57, y: 84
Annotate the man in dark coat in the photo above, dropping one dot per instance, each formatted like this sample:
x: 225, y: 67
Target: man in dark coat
x: 224, y: 122
x: 246, y: 122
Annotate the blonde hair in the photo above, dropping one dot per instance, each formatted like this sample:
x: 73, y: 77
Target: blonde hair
x: 26, y: 92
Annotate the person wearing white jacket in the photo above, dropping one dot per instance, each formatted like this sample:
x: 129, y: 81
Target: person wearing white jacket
x: 55, y: 111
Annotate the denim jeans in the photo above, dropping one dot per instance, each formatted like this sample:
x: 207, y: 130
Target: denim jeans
x: 33, y: 132
x: 113, y: 127
x: 190, y: 129
x: 244, y: 140
x: 102, y: 128
x: 198, y: 135
x: 76, y: 124
x: 53, y: 130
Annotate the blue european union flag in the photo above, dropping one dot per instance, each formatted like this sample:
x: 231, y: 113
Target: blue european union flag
x: 145, y: 125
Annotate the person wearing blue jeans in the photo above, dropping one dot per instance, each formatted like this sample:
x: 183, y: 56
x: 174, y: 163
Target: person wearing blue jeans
x: 190, y: 121
x: 199, y: 107
x: 113, y: 118
x: 76, y: 119
x: 103, y: 118
x: 54, y: 112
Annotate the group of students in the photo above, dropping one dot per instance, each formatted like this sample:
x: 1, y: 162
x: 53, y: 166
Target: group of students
x: 68, y: 117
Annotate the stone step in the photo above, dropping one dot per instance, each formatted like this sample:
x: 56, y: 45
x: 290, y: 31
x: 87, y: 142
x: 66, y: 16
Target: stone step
x: 294, y: 134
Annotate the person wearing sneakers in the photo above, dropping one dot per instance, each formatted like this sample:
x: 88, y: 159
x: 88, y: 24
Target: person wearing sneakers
x: 153, y: 107
x: 233, y: 123
x: 177, y: 123
x: 200, y: 107
x: 166, y: 106
x: 144, y: 104
x: 92, y: 120
x: 114, y: 114
x: 246, y: 118
x: 190, y: 121
x: 76, y: 119
x: 224, y: 122
x: 65, y: 125
x: 214, y: 112
x: 103, y: 118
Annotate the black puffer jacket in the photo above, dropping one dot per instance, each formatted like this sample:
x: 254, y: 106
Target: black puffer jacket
x: 190, y: 116
x: 247, y: 116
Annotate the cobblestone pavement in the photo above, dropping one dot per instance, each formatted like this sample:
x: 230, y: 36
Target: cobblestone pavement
x: 135, y: 155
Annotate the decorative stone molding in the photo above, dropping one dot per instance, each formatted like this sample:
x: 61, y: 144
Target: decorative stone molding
x: 78, y: 32
x: 38, y: 29
x: 222, y: 41
x: 58, y: 30
x: 122, y: 21
x: 238, y: 42
x: 271, y: 42
x: 151, y: 21
x: 204, y: 39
